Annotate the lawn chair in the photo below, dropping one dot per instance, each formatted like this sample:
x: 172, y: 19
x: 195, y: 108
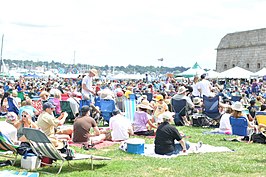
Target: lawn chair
x: 8, y: 149
x: 211, y: 107
x: 83, y: 103
x: 12, y: 105
x: 179, y: 107
x: 107, y: 108
x: 43, y: 147
x: 239, y: 126
x: 261, y: 117
x: 149, y: 96
x: 65, y: 107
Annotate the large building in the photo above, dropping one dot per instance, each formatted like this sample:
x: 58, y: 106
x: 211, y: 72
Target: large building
x: 246, y: 49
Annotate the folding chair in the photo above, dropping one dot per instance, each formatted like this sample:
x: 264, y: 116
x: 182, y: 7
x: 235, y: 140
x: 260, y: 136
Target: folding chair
x: 235, y: 98
x: 211, y: 107
x: 107, y: 107
x: 84, y: 102
x: 239, y: 126
x: 8, y: 149
x: 261, y: 117
x: 179, y: 107
x: 12, y: 106
x: 149, y: 96
x: 43, y: 147
x: 65, y: 107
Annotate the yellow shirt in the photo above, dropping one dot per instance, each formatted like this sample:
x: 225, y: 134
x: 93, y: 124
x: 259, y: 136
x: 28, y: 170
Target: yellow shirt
x: 160, y: 108
x: 47, y: 123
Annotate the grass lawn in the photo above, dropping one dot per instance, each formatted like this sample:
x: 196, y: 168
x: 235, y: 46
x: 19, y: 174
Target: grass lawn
x: 247, y: 160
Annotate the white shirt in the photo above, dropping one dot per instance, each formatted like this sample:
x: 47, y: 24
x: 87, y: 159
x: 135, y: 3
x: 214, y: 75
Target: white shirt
x: 87, y: 80
x: 195, y: 91
x: 205, y: 87
x: 9, y: 130
x: 225, y: 125
x: 119, y: 126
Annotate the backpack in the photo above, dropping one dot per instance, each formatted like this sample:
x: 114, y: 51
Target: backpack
x: 258, y: 138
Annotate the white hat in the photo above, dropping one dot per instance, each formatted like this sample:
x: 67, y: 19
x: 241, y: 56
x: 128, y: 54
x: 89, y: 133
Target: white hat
x: 144, y: 105
x: 182, y: 89
x: 237, y: 106
x: 94, y: 71
x: 166, y: 115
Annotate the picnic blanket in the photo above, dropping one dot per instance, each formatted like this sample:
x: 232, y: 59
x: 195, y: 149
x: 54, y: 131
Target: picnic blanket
x: 100, y: 145
x: 205, y: 148
x: 11, y: 173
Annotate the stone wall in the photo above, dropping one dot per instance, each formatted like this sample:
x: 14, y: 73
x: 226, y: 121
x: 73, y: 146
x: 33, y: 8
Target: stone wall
x: 244, y: 49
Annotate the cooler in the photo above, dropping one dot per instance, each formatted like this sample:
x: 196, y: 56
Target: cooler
x: 135, y: 146
x: 30, y: 162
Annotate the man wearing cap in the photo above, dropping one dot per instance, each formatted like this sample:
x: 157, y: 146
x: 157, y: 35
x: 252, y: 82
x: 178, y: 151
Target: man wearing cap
x: 87, y: 89
x: 82, y: 127
x: 47, y: 123
x: 166, y: 135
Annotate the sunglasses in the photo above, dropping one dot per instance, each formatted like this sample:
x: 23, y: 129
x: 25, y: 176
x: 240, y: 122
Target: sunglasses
x: 24, y: 115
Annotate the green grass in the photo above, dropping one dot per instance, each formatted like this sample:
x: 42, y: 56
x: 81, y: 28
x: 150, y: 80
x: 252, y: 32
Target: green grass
x: 247, y: 160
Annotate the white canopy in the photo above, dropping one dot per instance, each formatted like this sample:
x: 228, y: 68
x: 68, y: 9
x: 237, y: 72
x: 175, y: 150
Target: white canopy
x: 213, y: 74
x: 236, y: 73
x: 261, y: 72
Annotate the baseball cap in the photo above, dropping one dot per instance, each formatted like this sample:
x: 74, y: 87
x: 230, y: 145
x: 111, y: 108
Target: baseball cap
x: 48, y: 105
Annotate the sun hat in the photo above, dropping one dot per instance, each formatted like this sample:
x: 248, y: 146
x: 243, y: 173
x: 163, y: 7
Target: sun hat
x: 237, y: 106
x: 166, y: 115
x: 182, y: 89
x: 196, y: 100
x: 144, y: 105
x: 94, y: 71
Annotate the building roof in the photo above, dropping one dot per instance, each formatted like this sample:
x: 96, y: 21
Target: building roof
x: 243, y: 39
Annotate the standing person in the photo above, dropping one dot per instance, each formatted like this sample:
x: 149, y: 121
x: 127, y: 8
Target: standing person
x: 204, y: 86
x: 166, y: 135
x: 87, y: 90
x: 120, y: 127
x: 82, y: 127
x: 195, y: 92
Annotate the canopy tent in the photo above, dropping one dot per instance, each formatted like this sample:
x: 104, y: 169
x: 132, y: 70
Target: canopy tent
x: 236, y: 73
x: 261, y: 72
x: 194, y: 70
x: 213, y: 74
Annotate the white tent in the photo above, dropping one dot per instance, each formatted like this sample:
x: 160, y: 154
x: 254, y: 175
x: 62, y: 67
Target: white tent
x: 213, y: 74
x: 236, y: 73
x: 261, y: 72
x: 194, y: 70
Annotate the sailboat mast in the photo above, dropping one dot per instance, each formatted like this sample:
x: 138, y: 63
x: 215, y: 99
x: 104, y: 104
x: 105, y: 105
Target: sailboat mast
x: 1, y: 61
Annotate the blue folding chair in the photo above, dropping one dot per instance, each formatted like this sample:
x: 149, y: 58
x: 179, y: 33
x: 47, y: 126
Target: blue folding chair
x: 83, y: 103
x: 179, y: 107
x: 239, y: 126
x: 211, y: 107
x: 149, y: 96
x: 107, y: 107
x: 12, y: 106
x: 235, y: 98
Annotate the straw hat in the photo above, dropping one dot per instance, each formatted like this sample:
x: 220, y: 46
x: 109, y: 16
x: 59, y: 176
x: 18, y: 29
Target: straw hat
x: 144, y: 105
x: 94, y: 71
x: 196, y: 100
x: 165, y: 116
x: 181, y: 90
x: 237, y: 106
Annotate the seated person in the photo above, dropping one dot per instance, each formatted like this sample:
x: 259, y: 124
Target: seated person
x: 49, y: 124
x: 262, y: 127
x: 28, y: 105
x: 25, y: 122
x: 120, y: 127
x: 8, y: 127
x: 197, y: 105
x: 166, y: 135
x: 225, y: 126
x: 252, y: 108
x: 74, y: 103
x: 142, y: 120
x: 82, y: 128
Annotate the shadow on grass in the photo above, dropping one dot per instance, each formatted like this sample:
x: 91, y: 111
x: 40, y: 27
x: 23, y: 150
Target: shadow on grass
x: 74, y: 167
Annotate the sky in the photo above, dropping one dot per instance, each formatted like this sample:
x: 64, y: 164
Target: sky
x: 123, y: 32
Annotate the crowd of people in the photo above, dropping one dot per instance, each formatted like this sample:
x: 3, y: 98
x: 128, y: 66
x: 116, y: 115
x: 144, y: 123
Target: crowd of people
x: 152, y: 118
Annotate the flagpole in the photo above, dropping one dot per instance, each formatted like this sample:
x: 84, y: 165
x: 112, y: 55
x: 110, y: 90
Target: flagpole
x: 1, y: 61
